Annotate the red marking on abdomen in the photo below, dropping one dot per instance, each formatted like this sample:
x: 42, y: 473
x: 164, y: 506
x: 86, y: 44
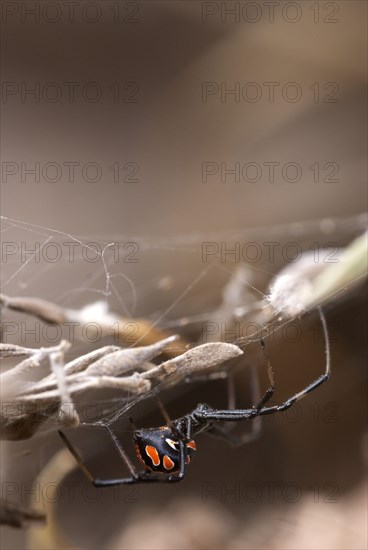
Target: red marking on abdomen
x: 168, y: 463
x: 153, y: 454
x: 192, y: 445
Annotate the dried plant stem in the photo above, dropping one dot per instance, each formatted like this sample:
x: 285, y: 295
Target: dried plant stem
x: 124, y: 331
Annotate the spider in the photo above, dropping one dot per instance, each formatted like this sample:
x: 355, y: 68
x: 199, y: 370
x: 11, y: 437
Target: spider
x: 166, y: 451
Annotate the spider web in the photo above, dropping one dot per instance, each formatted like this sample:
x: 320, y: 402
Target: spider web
x: 25, y: 268
x: 165, y: 280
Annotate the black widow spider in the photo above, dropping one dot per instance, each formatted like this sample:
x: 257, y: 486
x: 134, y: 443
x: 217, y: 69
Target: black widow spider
x: 168, y: 449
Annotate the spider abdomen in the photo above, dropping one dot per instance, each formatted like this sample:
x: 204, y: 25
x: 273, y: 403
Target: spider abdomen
x: 159, y: 449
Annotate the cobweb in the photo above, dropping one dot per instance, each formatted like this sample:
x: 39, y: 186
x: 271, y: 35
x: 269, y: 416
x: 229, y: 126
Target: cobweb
x: 177, y: 284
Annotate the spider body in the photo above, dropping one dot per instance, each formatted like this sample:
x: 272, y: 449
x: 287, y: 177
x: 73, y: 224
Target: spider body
x: 158, y: 449
x: 166, y: 451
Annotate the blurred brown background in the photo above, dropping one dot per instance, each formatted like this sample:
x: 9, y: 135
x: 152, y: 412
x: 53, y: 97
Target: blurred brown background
x: 153, y: 62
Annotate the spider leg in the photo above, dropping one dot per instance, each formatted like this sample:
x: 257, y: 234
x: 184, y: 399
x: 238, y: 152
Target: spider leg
x: 164, y: 413
x: 244, y: 414
x: 256, y: 425
x: 231, y: 397
x: 271, y: 388
x: 313, y: 385
x: 183, y: 463
x: 101, y: 482
x: 222, y: 432
x: 76, y: 456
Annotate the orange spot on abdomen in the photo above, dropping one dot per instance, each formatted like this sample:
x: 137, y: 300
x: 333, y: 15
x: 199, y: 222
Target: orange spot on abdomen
x: 192, y: 445
x: 168, y: 463
x: 153, y: 454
